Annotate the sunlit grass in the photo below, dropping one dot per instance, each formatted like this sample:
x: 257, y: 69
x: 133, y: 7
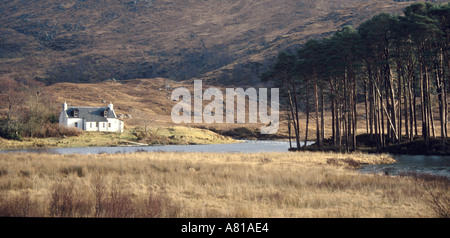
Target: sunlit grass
x: 209, y: 185
x: 166, y: 135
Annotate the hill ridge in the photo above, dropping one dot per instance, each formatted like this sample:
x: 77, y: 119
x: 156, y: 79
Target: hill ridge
x: 225, y: 42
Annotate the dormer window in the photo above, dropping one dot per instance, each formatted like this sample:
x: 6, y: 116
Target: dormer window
x: 106, y: 112
x: 75, y: 113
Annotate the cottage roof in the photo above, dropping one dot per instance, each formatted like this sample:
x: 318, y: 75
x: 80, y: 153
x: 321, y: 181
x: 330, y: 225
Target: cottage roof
x: 91, y: 114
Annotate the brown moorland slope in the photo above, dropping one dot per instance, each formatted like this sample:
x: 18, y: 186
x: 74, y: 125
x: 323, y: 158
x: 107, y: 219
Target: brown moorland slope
x: 138, y: 102
x: 225, y: 41
x: 133, y: 100
x: 148, y: 101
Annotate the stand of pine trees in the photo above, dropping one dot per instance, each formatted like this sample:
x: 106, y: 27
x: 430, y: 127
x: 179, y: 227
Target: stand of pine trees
x: 398, y: 67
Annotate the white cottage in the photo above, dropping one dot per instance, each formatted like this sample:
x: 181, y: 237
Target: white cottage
x: 91, y: 118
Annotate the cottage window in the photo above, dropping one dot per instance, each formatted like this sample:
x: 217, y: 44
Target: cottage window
x: 109, y: 124
x: 105, y: 113
x: 104, y: 125
x: 75, y: 113
x: 97, y: 124
x: 90, y: 124
x: 76, y: 124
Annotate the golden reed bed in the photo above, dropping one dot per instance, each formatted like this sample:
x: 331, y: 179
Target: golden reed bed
x: 303, y: 184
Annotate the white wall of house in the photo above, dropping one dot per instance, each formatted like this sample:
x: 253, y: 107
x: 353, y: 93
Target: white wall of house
x: 63, y: 115
x: 113, y: 125
x: 75, y: 122
x: 90, y: 126
x: 103, y: 126
x: 121, y: 126
x: 63, y: 118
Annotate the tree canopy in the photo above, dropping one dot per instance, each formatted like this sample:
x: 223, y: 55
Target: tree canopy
x: 397, y: 66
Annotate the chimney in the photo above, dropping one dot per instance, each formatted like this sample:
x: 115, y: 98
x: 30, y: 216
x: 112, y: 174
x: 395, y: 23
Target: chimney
x: 111, y: 107
x: 64, y: 106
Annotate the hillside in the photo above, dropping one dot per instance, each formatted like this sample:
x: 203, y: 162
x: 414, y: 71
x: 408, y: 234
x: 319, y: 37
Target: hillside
x: 138, y: 102
x: 147, y: 101
x: 224, y: 41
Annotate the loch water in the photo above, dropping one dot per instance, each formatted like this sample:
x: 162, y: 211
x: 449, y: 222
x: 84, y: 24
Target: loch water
x: 436, y: 165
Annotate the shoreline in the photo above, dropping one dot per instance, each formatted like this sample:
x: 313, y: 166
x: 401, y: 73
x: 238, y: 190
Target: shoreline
x: 176, y: 135
x: 415, y: 147
x: 209, y: 137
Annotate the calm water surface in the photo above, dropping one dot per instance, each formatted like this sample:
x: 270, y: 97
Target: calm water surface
x: 429, y: 164
x: 246, y: 146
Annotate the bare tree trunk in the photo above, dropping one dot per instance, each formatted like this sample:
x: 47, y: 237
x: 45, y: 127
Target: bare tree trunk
x: 366, y: 107
x: 430, y: 121
x: 378, y: 128
x: 293, y: 114
x: 423, y: 102
x: 289, y: 121
x: 411, y: 110
x: 340, y: 130
x: 322, y: 114
x: 416, y: 129
x: 405, y: 101
x: 393, y: 112
x: 380, y: 105
x: 444, y: 85
x: 316, y: 105
x: 307, y: 117
x: 430, y: 111
x: 399, y: 99
x: 334, y: 111
x: 355, y: 115
x: 440, y: 90
x: 333, y: 114
x: 297, y: 135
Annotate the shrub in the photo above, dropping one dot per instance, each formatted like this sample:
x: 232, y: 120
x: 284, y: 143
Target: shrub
x: 154, y: 206
x: 439, y: 201
x: 265, y: 160
x: 52, y: 118
x: 160, y: 206
x: 99, y: 189
x: 436, y: 187
x: 3, y: 171
x: 425, y: 177
x: 7, y: 132
x: 352, y: 163
x: 349, y: 161
x: 20, y: 205
x: 56, y: 130
x: 152, y: 138
x: 62, y: 200
x: 333, y: 161
x: 119, y: 204
x: 76, y: 169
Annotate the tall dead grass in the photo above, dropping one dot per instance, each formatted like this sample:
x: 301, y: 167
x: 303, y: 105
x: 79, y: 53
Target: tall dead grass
x: 56, y: 130
x: 309, y: 184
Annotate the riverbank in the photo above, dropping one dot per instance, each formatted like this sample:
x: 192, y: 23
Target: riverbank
x: 304, y: 184
x: 405, y: 147
x: 177, y: 135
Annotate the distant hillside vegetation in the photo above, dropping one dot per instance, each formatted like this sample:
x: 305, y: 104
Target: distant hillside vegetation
x: 224, y: 41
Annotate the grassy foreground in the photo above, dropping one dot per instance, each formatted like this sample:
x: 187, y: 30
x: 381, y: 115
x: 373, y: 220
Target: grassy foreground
x: 303, y: 184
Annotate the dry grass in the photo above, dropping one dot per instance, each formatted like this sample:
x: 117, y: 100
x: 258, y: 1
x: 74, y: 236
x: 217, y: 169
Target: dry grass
x: 209, y: 185
x: 164, y: 35
x: 156, y: 135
